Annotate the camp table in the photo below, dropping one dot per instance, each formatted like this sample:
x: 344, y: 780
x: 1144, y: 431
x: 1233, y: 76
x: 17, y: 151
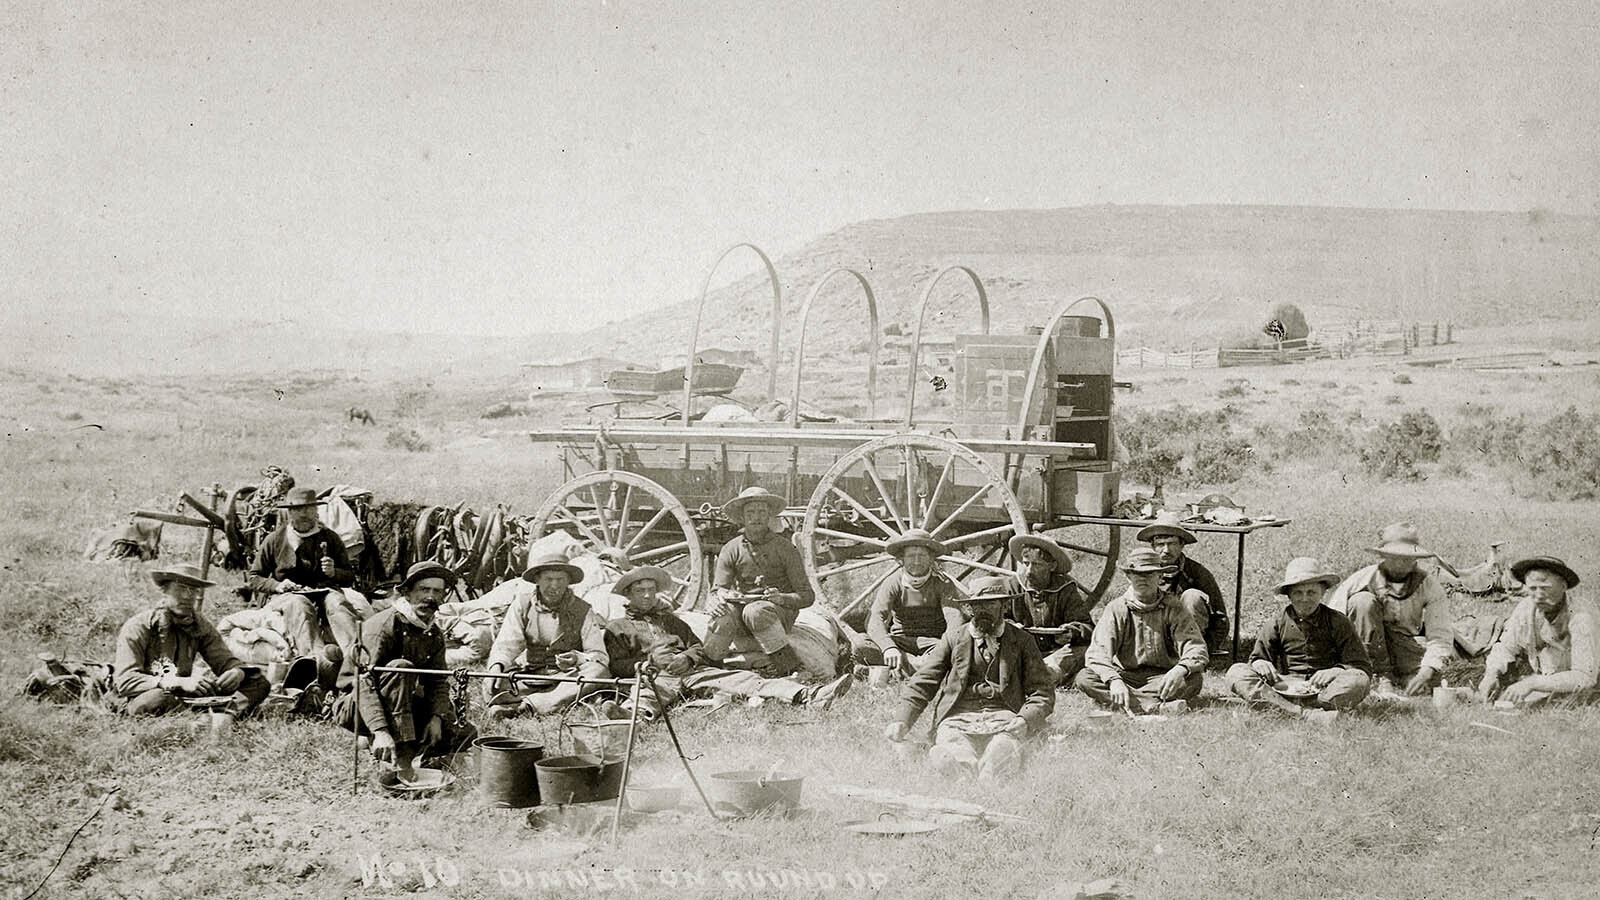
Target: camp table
x: 1242, y: 531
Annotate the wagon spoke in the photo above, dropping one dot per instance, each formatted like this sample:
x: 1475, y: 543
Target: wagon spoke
x: 938, y: 490
x: 970, y: 564
x: 622, y: 519
x: 588, y: 532
x: 853, y: 538
x: 667, y: 550
x: 1082, y: 549
x: 965, y: 505
x: 888, y: 502
x: 979, y: 535
x: 851, y: 566
x: 910, y: 458
x: 654, y: 521
x: 600, y: 514
x: 866, y: 513
x: 866, y: 592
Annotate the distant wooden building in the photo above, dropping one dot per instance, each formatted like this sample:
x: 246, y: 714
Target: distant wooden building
x: 573, y: 374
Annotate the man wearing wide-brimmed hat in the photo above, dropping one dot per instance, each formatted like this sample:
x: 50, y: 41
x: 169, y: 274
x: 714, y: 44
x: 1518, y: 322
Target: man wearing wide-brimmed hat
x: 913, y: 608
x: 1309, y: 643
x: 1146, y: 654
x: 759, y: 587
x: 1551, y: 642
x: 1401, y: 613
x: 988, y: 687
x: 1050, y: 601
x: 303, y: 571
x: 408, y: 716
x: 1192, y: 583
x: 551, y: 631
x: 154, y: 667
x: 650, y: 633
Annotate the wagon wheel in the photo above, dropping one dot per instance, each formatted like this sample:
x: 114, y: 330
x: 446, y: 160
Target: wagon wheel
x: 1094, y: 550
x: 885, y: 487
x: 627, y: 514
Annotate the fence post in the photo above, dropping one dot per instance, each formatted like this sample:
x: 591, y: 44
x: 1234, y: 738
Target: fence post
x: 1448, y: 336
x: 1436, y: 332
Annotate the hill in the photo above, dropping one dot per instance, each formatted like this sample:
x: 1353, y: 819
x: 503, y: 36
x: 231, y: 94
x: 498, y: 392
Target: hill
x: 1173, y: 275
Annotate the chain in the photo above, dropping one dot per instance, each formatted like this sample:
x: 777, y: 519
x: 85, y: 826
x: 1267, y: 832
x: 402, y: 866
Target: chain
x: 458, y: 695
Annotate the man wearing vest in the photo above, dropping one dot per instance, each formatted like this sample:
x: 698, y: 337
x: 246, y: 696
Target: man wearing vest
x: 914, y: 608
x: 988, y: 686
x: 552, y: 632
x: 759, y: 587
x: 1146, y: 654
x: 1049, y: 600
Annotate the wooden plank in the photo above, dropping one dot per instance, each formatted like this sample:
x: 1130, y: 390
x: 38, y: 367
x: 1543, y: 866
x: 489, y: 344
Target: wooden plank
x: 204, y: 510
x: 781, y: 436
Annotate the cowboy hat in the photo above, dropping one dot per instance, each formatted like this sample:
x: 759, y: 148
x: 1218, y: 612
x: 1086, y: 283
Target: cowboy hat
x: 182, y: 573
x: 991, y: 587
x: 300, y: 496
x: 1021, y: 542
x: 916, y: 537
x: 1521, y: 568
x: 734, y: 508
x: 1145, y: 560
x: 556, y: 560
x: 660, y: 576
x: 426, y: 569
x: 1400, y: 539
x: 1165, y: 524
x: 1304, y: 570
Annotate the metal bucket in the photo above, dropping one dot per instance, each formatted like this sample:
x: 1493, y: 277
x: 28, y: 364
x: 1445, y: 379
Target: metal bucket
x: 578, y: 779
x: 507, y: 771
x: 748, y: 792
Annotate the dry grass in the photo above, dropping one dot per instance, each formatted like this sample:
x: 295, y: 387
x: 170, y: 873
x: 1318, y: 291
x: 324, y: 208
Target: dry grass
x: 1386, y: 804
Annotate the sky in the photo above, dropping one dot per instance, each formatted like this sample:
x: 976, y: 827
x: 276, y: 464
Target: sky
x: 539, y: 166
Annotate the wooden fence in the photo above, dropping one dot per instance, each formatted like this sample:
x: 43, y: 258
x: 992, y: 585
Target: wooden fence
x: 1360, y: 337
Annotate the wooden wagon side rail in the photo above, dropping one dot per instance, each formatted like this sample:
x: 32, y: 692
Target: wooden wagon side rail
x: 785, y: 438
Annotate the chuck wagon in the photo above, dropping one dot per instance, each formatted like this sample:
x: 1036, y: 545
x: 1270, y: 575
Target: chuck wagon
x: 1018, y: 438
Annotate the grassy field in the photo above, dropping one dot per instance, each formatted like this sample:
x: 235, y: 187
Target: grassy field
x: 1388, y: 803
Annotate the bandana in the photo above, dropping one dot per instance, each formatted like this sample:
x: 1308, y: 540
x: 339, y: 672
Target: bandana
x: 403, y: 609
x: 914, y: 582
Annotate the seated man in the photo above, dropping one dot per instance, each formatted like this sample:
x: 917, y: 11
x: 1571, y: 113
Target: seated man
x: 1146, y: 653
x: 1047, y: 597
x: 406, y: 715
x: 1400, y: 612
x: 988, y: 685
x: 303, y: 571
x: 1308, y: 641
x: 552, y: 632
x: 154, y: 667
x: 913, y: 608
x: 1193, y: 584
x: 652, y: 634
x: 759, y: 587
x: 1551, y: 642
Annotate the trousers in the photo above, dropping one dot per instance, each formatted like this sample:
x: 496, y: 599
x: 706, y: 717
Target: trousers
x: 989, y: 756
x: 409, y: 710
x: 156, y: 702
x: 1346, y: 690
x: 669, y: 689
x: 761, y: 623
x: 1394, y: 651
x: 1140, y: 688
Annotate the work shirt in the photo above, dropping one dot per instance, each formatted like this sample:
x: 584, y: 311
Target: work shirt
x: 902, y: 610
x: 1191, y: 575
x: 151, y: 639
x: 1160, y: 637
x: 750, y: 568
x: 278, y: 561
x: 532, y: 628
x: 1302, y: 645
x: 387, y: 637
x: 659, y: 638
x: 984, y: 685
x: 1060, y: 603
x: 1416, y: 606
x: 1564, y: 654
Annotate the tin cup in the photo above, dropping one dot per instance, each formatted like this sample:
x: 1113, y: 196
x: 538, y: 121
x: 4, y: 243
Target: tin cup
x: 879, y: 676
x: 221, y: 725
